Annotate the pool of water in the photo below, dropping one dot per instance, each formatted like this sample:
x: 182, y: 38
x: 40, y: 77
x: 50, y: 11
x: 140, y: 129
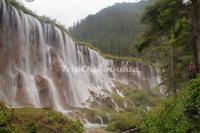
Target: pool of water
x: 93, y: 125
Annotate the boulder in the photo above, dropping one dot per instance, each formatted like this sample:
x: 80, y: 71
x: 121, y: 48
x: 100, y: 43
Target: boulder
x: 44, y: 91
x: 21, y: 93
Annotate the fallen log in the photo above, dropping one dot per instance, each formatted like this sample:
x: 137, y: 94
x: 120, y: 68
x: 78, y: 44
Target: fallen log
x: 135, y: 130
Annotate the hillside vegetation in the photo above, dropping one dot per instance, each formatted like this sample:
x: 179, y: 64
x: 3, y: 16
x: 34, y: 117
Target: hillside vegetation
x: 113, y: 29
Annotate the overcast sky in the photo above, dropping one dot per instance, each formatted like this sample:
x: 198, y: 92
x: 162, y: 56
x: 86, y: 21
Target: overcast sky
x: 69, y: 11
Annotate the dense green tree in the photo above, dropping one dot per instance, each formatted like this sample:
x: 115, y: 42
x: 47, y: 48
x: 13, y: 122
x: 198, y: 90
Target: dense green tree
x: 168, y: 41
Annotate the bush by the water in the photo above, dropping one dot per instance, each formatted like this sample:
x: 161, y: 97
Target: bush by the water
x: 125, y: 121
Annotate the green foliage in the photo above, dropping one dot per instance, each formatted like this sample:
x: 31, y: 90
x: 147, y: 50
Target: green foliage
x: 75, y: 127
x: 191, y: 104
x: 167, y: 41
x: 177, y: 114
x: 168, y: 117
x: 164, y: 13
x: 4, y: 119
x: 135, y: 98
x: 32, y: 127
x: 113, y: 29
x: 37, y: 120
x: 3, y: 130
x: 125, y: 121
x: 162, y: 18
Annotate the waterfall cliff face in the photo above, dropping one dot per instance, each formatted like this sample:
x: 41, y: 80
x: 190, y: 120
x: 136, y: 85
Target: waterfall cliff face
x: 35, y: 58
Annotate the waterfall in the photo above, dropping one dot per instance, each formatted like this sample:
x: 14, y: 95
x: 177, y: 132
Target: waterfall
x: 35, y: 56
x: 101, y: 120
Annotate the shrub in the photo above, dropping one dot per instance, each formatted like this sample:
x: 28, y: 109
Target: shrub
x: 191, y: 104
x: 180, y: 114
x: 125, y: 121
x: 73, y: 127
x: 166, y: 118
x: 32, y: 127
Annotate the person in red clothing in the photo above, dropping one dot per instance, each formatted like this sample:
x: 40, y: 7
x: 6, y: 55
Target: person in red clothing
x: 192, y: 71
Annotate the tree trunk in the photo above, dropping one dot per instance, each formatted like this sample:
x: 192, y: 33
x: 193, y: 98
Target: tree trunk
x: 196, y: 31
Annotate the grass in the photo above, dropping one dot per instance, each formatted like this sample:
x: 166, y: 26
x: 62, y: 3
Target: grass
x: 36, y: 120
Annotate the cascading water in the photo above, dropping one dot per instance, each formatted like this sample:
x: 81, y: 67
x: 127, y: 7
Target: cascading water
x: 101, y: 120
x: 35, y: 57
